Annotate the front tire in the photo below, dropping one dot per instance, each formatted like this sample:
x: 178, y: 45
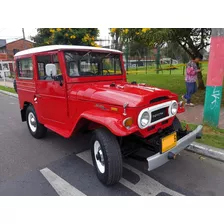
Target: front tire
x: 36, y: 129
x: 106, y: 156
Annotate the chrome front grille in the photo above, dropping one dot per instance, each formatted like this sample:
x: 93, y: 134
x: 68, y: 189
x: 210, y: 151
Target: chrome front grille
x: 159, y: 114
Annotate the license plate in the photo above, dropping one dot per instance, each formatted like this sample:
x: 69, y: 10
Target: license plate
x: 169, y: 142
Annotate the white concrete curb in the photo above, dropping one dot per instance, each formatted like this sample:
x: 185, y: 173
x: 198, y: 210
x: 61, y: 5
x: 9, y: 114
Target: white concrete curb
x: 206, y: 150
x: 8, y: 93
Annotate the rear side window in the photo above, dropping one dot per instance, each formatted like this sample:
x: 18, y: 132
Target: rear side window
x: 25, y: 68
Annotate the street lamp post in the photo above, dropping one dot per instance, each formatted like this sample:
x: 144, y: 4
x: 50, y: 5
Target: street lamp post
x: 213, y: 94
x: 157, y: 59
x: 23, y: 38
x: 127, y: 53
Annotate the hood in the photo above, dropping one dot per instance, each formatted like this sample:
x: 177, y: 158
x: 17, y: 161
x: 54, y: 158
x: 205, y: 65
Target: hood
x: 134, y: 95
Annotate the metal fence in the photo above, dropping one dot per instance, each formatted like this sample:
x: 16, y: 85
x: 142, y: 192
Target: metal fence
x: 155, y: 61
x: 150, y: 65
x: 7, y: 69
x: 135, y: 66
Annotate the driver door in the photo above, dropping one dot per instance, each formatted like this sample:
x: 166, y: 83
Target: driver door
x: 51, y: 94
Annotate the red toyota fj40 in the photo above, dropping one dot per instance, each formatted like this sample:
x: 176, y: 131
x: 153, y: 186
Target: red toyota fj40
x: 72, y: 88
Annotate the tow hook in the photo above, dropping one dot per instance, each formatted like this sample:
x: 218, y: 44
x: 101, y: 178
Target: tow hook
x: 171, y: 155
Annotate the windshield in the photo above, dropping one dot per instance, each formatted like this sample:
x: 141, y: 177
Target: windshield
x: 92, y: 64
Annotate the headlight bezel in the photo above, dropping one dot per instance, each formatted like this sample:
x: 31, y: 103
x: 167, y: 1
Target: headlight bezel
x: 149, y: 110
x: 146, y: 113
x: 174, y: 108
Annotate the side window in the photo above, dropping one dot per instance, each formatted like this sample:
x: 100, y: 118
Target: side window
x: 56, y: 62
x: 25, y: 68
x: 42, y: 61
x: 73, y: 65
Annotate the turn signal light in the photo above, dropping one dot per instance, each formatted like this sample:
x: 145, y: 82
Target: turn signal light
x: 128, y: 122
x: 114, y: 109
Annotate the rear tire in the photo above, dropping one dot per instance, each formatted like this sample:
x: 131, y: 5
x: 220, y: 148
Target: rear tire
x: 36, y: 129
x: 106, y: 156
x: 14, y: 85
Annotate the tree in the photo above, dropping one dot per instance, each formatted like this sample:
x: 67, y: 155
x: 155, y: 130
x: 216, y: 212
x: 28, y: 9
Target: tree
x: 138, y: 49
x: 67, y: 36
x: 42, y: 37
x: 175, y: 51
x: 191, y: 40
x: 119, y: 36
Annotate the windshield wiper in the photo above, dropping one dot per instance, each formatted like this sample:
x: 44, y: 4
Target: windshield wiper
x: 107, y: 55
x: 85, y: 55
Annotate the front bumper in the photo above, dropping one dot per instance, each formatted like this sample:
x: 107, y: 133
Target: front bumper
x: 159, y: 159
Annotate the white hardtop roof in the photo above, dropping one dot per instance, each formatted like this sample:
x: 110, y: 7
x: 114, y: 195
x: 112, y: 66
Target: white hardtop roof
x: 62, y: 47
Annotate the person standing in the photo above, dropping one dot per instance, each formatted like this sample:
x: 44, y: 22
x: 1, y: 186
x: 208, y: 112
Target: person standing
x: 190, y: 80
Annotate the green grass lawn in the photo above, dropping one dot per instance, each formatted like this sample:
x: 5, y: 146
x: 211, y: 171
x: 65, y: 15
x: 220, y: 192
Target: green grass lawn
x: 8, y: 89
x: 173, y: 82
x: 211, y: 136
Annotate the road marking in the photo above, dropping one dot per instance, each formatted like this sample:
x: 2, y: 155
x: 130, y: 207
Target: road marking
x: 147, y: 183
x: 147, y: 186
x: 62, y: 187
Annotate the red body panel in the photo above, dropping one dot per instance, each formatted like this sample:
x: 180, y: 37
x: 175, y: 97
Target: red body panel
x: 88, y: 101
x: 123, y: 92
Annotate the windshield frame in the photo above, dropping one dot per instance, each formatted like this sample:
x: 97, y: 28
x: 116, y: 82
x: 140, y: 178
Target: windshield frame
x: 107, y: 53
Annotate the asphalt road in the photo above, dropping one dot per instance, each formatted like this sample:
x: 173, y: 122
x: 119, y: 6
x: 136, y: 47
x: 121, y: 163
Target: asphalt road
x: 58, y: 166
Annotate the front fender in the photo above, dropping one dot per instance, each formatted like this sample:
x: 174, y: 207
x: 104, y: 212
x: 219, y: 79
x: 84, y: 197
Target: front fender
x: 110, y: 120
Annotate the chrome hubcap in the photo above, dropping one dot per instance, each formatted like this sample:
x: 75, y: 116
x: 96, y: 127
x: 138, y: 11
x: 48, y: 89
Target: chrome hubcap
x: 32, y: 122
x: 99, y: 158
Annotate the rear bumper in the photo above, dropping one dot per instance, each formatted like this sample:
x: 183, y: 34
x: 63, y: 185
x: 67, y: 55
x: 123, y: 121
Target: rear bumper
x: 159, y: 159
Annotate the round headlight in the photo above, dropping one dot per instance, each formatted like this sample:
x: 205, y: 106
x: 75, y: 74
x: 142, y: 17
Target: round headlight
x: 144, y: 119
x: 174, y: 108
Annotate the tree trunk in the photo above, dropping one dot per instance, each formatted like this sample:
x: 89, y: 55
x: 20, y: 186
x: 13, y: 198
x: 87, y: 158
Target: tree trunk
x: 201, y: 84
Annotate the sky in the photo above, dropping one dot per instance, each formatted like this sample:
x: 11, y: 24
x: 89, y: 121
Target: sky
x: 11, y: 34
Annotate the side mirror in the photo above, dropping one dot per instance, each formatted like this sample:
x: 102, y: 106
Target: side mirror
x: 51, y: 70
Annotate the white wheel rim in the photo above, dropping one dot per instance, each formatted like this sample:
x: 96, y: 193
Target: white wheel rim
x: 32, y: 122
x: 99, y: 158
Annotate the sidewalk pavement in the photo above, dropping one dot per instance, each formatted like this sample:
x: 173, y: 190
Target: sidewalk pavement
x: 194, y: 115
x: 7, y: 83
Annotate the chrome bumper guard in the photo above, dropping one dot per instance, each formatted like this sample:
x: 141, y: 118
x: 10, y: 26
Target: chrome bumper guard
x: 159, y: 159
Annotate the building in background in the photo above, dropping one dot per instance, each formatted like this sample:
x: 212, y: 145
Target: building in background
x: 3, y: 55
x: 7, y: 52
x: 10, y: 49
